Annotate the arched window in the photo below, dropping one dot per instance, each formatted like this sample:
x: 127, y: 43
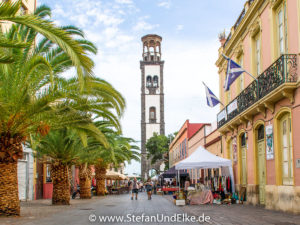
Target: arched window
x: 152, y: 115
x: 157, y: 49
x: 155, y: 81
x: 149, y: 81
x: 261, y: 133
x: 151, y: 50
x: 243, y: 140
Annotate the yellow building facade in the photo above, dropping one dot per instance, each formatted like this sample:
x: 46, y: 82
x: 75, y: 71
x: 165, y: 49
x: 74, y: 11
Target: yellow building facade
x: 261, y: 117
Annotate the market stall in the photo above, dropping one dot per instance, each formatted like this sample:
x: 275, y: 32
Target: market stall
x: 169, y: 180
x: 215, y: 188
x: 118, y: 187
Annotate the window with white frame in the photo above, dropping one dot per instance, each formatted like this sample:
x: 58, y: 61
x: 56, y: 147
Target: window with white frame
x: 280, y: 32
x: 257, y: 55
x: 228, y: 96
x: 241, y: 78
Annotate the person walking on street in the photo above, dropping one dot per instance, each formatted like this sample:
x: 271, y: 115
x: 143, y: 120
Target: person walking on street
x: 154, y: 187
x: 141, y: 186
x: 129, y: 186
x: 187, y: 183
x: 149, y: 188
x: 135, y: 188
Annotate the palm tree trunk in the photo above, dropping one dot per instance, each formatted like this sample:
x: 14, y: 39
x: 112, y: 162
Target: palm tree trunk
x: 100, y: 179
x: 9, y: 194
x: 85, y: 176
x: 61, y: 184
x: 10, y: 151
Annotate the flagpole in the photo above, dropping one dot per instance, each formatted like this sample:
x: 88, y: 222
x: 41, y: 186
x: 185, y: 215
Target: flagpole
x: 226, y: 57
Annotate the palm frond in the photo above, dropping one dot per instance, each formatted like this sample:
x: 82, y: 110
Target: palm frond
x: 81, y: 61
x: 9, y: 8
x: 43, y: 11
x: 6, y: 59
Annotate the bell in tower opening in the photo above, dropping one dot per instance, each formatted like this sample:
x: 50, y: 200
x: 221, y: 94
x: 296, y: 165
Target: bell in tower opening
x: 152, y: 97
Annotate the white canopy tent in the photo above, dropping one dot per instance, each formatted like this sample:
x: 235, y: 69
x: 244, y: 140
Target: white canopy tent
x: 203, y: 159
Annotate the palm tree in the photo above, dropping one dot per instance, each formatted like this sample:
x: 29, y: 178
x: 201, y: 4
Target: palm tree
x: 32, y: 99
x: 120, y: 150
x: 61, y: 148
x: 85, y: 161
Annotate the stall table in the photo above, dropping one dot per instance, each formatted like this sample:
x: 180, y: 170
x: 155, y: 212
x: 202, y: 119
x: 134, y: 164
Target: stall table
x: 170, y: 189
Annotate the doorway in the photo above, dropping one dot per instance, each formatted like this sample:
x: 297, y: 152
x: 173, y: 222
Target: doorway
x: 287, y: 150
x: 261, y: 163
x: 243, y: 160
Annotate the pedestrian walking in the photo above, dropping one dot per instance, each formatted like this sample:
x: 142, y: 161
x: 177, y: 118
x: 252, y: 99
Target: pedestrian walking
x: 187, y: 183
x: 149, y: 188
x: 154, y: 187
x: 141, y: 186
x: 135, y: 188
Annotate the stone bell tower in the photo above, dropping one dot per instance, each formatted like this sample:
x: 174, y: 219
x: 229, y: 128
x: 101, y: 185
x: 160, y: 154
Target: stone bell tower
x: 152, y: 97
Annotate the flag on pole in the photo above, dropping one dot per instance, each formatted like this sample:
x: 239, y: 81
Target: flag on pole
x: 211, y: 99
x: 234, y: 70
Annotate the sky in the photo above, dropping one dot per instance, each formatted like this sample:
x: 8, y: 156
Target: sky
x: 189, y: 29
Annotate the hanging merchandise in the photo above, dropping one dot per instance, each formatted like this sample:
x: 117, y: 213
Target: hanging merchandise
x: 234, y: 148
x: 269, y: 142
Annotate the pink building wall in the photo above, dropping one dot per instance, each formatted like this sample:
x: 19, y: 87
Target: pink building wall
x: 296, y: 135
x: 293, y: 26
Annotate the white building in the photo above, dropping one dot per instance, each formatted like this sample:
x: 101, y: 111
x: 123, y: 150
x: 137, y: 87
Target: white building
x: 25, y: 175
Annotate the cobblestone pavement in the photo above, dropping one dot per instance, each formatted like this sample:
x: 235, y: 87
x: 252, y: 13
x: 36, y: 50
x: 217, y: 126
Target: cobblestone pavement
x: 238, y: 214
x: 41, y: 212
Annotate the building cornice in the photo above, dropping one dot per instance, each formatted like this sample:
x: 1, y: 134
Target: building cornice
x: 251, y: 15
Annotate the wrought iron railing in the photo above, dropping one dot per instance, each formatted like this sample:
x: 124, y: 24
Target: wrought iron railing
x: 237, y: 23
x: 283, y: 70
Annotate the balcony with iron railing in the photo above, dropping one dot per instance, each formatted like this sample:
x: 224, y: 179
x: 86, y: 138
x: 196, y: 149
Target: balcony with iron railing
x: 276, y: 82
x: 237, y: 23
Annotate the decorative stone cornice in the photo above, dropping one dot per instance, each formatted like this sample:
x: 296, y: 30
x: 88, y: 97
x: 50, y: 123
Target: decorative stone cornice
x: 239, y: 50
x: 255, y: 27
x: 275, y: 3
x: 251, y: 13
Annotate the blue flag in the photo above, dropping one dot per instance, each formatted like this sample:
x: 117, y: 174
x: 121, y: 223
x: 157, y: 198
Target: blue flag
x: 234, y: 70
x: 211, y: 99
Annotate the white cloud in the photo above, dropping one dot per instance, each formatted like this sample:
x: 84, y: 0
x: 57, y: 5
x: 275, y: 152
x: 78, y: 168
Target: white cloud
x: 165, y: 4
x: 124, y: 1
x: 142, y: 25
x: 179, y: 27
x: 186, y: 67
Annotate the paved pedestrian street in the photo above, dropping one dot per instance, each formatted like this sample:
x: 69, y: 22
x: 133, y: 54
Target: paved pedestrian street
x: 143, y: 211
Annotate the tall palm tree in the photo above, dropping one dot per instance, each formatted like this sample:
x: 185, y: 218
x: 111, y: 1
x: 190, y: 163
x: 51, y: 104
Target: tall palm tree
x: 120, y: 150
x: 61, y: 148
x: 32, y: 99
x: 85, y: 161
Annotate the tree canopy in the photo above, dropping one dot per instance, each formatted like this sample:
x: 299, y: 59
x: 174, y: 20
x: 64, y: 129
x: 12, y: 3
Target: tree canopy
x: 158, y: 148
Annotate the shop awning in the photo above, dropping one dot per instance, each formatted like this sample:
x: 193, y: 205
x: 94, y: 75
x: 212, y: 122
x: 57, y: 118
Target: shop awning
x: 112, y: 175
x: 171, y: 173
x: 203, y: 159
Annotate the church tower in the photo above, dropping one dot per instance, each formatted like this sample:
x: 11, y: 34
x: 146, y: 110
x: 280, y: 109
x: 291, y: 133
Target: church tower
x: 152, y: 97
